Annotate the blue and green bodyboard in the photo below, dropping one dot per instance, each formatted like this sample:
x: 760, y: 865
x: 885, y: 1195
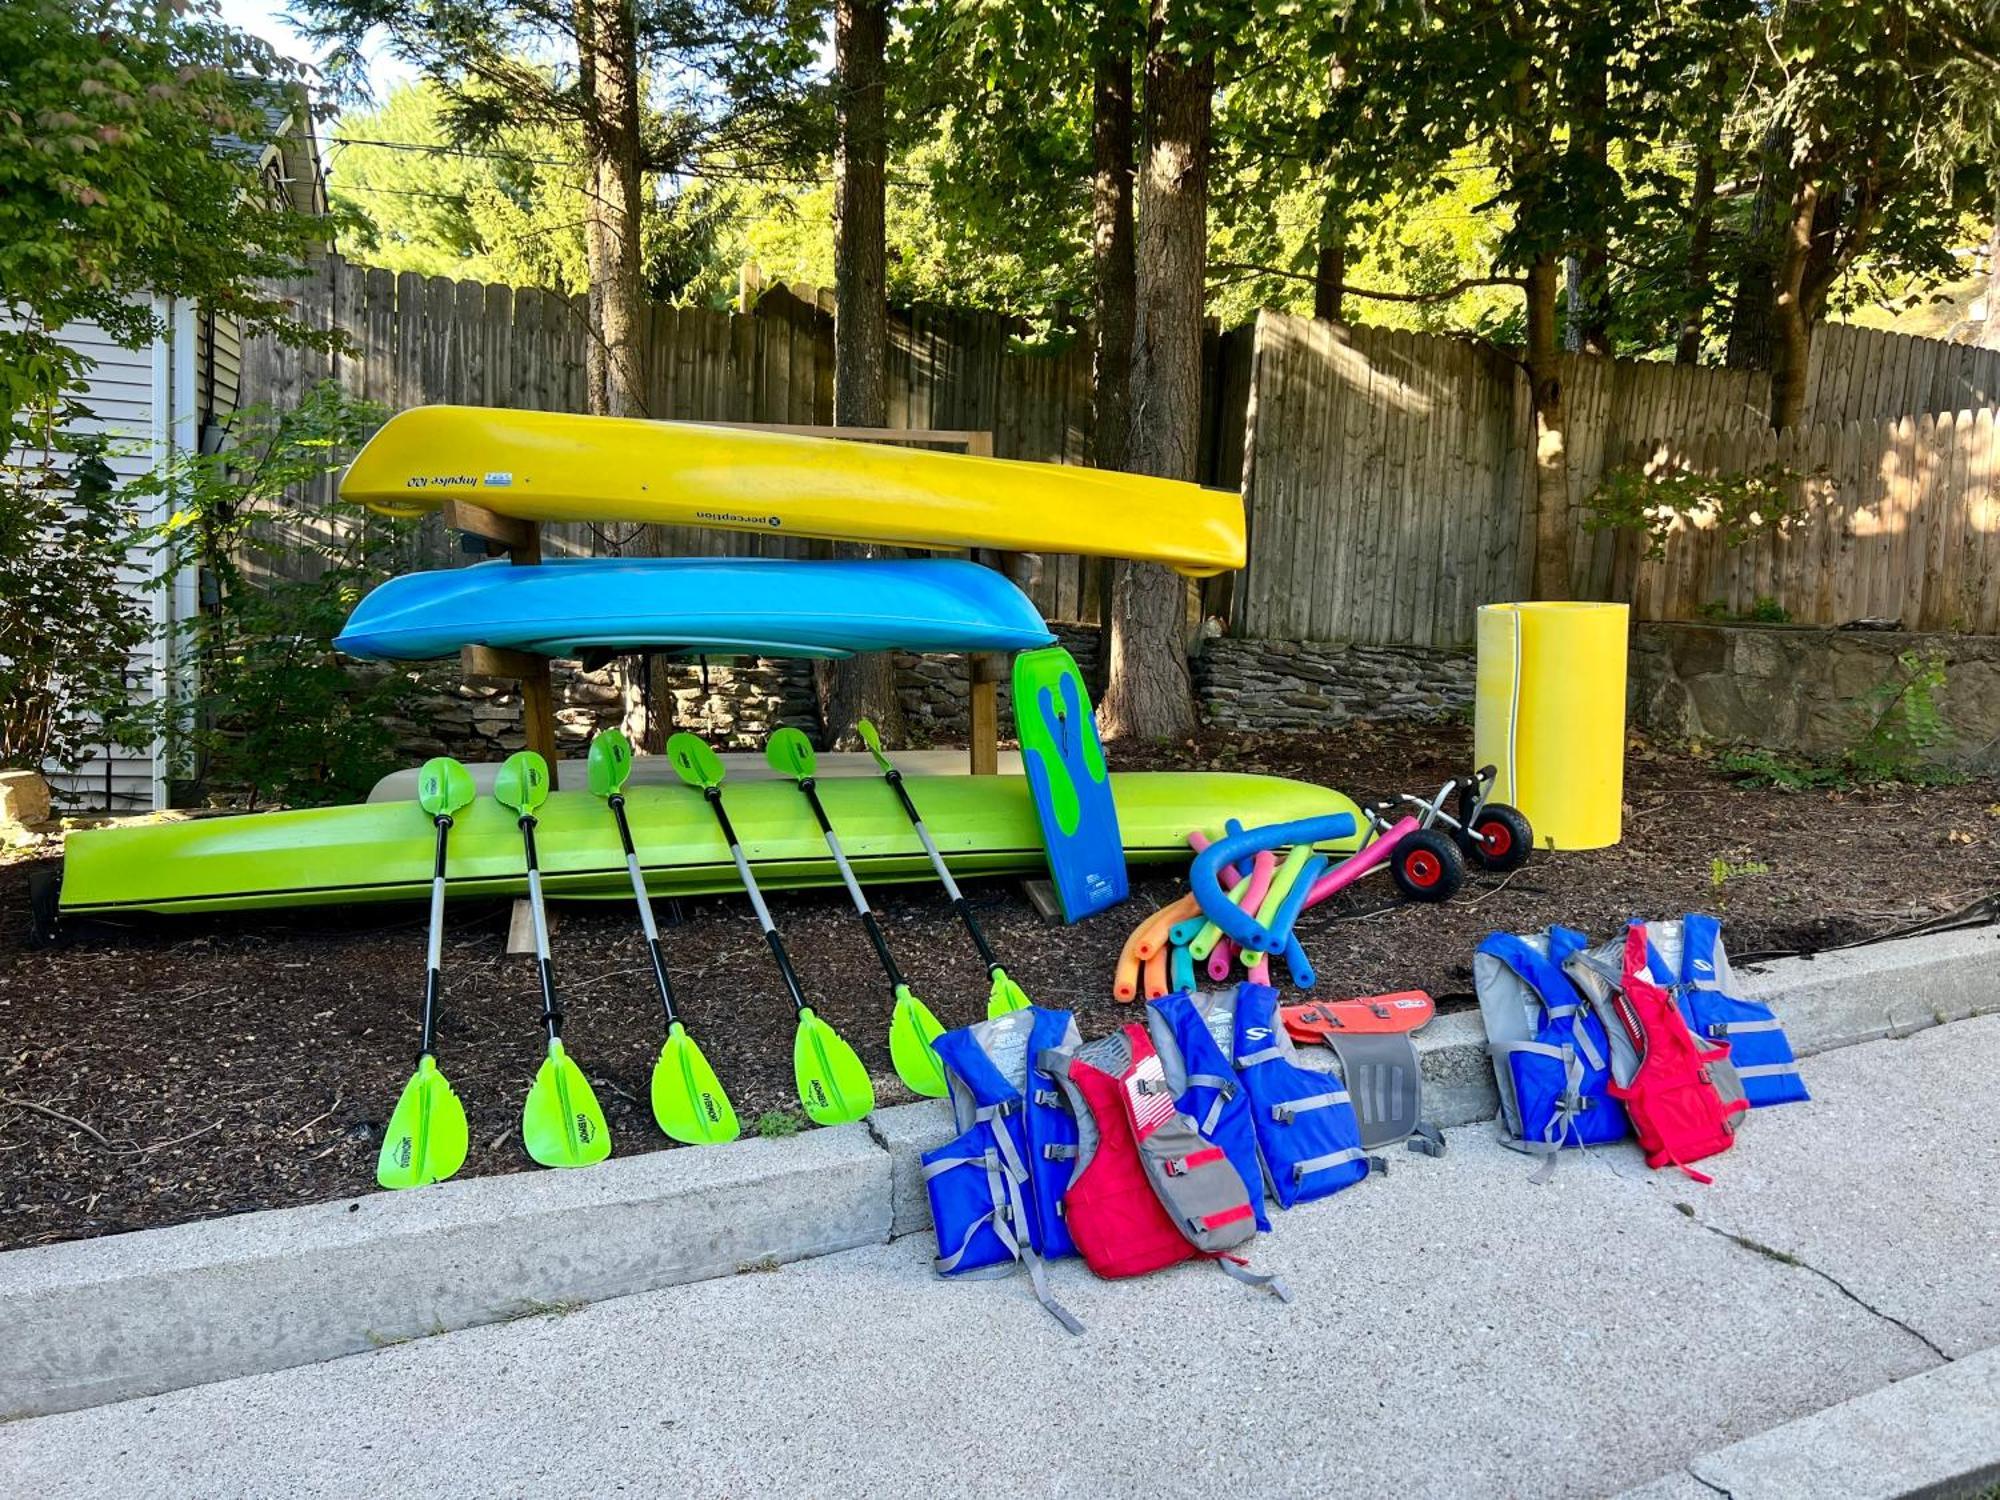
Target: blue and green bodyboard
x: 1064, y: 761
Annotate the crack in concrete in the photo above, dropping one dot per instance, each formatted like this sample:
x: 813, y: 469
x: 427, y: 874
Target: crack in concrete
x: 1785, y: 1257
x: 1708, y: 1484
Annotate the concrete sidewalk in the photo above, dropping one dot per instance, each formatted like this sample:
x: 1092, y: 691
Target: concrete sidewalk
x: 1456, y: 1332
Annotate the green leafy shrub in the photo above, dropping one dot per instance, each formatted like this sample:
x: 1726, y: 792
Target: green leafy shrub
x: 70, y: 626
x: 1907, y: 723
x: 274, y: 714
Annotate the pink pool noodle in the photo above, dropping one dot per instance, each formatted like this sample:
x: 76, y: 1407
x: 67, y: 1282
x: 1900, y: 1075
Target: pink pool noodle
x: 1198, y: 841
x: 1220, y: 957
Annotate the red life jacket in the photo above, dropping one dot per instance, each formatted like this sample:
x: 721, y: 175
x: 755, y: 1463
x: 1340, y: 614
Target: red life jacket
x: 1153, y: 1191
x: 1671, y: 1099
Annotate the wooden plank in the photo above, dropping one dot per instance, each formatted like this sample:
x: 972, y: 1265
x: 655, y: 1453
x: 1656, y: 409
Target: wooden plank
x: 983, y: 715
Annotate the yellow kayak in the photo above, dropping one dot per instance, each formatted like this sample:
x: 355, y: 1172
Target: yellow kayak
x: 556, y: 466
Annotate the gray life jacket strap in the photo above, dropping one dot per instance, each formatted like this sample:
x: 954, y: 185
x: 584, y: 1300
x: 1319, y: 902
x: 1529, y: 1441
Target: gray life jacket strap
x: 1426, y: 1139
x: 1304, y: 1169
x: 1290, y: 1109
x: 1261, y: 1055
x: 1039, y: 1280
x: 1060, y: 1153
x: 1267, y: 1281
x: 1767, y: 1070
x: 1744, y: 1028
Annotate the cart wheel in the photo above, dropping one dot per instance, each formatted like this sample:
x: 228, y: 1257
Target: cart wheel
x: 1428, y: 866
x: 1499, y: 838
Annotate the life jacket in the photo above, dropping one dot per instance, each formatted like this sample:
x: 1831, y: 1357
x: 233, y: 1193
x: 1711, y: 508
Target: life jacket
x: 1207, y: 1089
x: 1552, y: 1055
x: 1704, y: 987
x: 1674, y: 1096
x: 996, y: 1188
x: 1307, y: 1134
x: 1150, y: 1190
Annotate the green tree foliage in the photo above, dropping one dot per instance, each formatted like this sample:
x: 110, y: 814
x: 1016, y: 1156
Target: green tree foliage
x: 510, y: 211
x: 129, y: 140
x: 277, y: 715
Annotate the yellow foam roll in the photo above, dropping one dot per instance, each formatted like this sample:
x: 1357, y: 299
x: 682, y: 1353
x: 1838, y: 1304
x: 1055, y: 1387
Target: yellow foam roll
x: 1551, y: 715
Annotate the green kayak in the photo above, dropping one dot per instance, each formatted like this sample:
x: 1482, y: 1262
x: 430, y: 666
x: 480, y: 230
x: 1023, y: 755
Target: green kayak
x: 382, y: 851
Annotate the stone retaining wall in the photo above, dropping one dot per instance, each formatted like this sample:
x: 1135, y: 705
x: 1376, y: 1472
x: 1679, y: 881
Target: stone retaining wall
x: 1263, y: 685
x: 1810, y: 691
x: 1789, y: 688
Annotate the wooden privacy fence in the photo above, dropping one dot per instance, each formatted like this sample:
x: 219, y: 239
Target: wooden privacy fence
x: 1389, y: 490
x: 1895, y: 520
x: 419, y: 339
x: 1385, y: 474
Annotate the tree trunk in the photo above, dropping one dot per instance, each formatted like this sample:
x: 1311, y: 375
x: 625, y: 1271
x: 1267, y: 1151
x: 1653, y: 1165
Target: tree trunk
x: 1750, y: 328
x: 1590, y: 102
x: 860, y: 317
x: 1112, y: 271
x: 1552, y: 549
x: 1989, y: 332
x: 1330, y: 263
x: 607, y: 44
x: 1111, y: 245
x: 1148, y: 695
x: 862, y: 687
x: 1701, y: 235
x: 1790, y: 320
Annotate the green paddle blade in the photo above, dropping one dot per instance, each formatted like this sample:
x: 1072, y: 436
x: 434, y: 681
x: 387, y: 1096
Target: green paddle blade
x: 444, y: 787
x: 790, y: 753
x: 693, y: 761
x: 833, y: 1086
x: 561, y: 1124
x: 1005, y: 995
x: 610, y: 762
x: 687, y: 1097
x: 912, y: 1029
x: 424, y: 1140
x: 873, y: 740
x: 523, y: 783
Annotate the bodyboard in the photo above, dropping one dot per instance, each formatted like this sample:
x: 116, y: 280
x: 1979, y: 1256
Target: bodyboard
x: 1071, y: 787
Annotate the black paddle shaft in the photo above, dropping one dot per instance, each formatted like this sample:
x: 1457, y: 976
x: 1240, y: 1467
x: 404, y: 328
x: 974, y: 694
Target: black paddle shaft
x: 777, y: 944
x: 617, y: 801
x: 433, y: 970
x: 958, y: 902
x: 551, y: 1010
x: 868, y: 922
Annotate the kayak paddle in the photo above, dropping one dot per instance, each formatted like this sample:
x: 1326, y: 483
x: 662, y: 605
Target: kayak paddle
x: 833, y: 1086
x: 688, y: 1100
x: 912, y: 1027
x: 1006, y: 995
x: 425, y: 1140
x: 561, y: 1124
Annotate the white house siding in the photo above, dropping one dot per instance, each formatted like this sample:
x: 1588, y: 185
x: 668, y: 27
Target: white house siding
x: 143, y: 400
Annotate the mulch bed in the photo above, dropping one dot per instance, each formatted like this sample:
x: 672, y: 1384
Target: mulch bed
x: 172, y: 1070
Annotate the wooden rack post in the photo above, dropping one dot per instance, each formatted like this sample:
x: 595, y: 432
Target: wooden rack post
x: 982, y: 668
x: 523, y: 541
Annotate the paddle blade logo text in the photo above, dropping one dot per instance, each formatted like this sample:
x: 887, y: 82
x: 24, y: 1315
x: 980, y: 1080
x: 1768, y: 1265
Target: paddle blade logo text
x: 584, y: 1129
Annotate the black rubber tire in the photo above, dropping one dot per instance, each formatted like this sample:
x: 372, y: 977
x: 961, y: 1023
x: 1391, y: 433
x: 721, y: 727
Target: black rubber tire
x: 1500, y: 838
x: 1427, y: 866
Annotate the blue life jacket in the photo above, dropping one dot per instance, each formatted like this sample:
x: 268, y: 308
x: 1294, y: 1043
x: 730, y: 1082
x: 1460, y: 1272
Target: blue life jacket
x: 1307, y: 1134
x: 996, y: 1188
x: 1759, y: 1051
x: 1207, y: 1090
x: 1552, y: 1058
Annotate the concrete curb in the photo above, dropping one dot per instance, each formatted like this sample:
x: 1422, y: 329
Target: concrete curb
x: 137, y: 1314
x: 100, y: 1320
x: 1932, y: 1435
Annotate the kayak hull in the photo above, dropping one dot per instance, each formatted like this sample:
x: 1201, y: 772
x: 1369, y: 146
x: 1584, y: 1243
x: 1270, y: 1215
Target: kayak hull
x: 697, y: 606
x: 984, y: 825
x: 558, y: 466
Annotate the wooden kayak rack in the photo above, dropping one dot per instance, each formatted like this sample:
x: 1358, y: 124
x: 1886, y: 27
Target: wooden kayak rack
x: 522, y: 541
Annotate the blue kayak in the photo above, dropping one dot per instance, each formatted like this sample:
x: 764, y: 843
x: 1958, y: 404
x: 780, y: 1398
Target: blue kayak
x: 697, y: 606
